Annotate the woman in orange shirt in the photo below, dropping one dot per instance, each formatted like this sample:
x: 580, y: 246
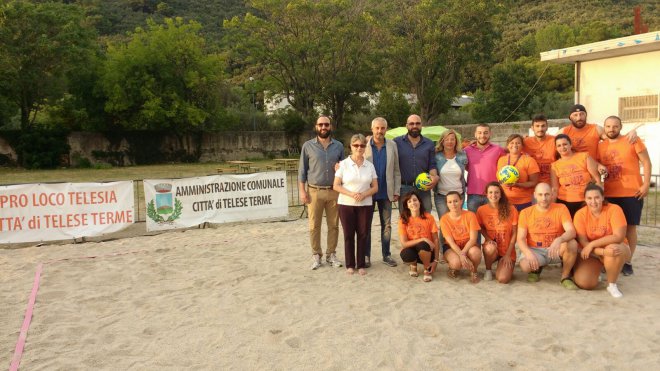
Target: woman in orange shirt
x: 418, y: 234
x: 519, y: 193
x: 460, y: 229
x: 601, y: 232
x: 498, y: 220
x: 571, y: 173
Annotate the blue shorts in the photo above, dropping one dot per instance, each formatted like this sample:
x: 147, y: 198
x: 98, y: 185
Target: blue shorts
x: 632, y: 208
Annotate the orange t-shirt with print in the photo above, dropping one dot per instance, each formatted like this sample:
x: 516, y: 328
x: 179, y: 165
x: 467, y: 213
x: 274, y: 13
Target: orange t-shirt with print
x: 622, y: 161
x: 573, y: 177
x: 585, y: 139
x: 611, y: 217
x: 543, y: 152
x: 526, y: 166
x: 459, y: 229
x: 497, y: 230
x: 418, y: 227
x: 543, y: 226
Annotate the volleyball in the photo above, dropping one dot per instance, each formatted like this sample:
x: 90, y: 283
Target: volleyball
x: 508, y: 175
x: 423, y: 182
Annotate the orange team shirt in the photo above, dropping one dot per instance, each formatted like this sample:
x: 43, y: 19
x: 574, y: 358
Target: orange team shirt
x: 573, y: 177
x: 622, y: 161
x: 585, y: 139
x: 543, y: 152
x: 611, y: 217
x: 526, y: 166
x: 418, y: 227
x: 459, y: 229
x: 497, y: 230
x: 543, y: 226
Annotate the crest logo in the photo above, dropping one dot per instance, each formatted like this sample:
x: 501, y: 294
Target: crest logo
x: 166, y: 208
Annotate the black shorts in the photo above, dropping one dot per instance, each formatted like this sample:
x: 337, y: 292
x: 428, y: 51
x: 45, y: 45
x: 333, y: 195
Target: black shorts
x: 411, y: 254
x: 573, y: 207
x: 632, y: 208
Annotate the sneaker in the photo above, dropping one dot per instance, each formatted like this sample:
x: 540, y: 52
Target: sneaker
x: 316, y: 264
x: 614, y: 290
x: 569, y: 284
x: 627, y: 269
x: 367, y: 262
x: 488, y: 275
x: 534, y: 276
x: 333, y: 261
x: 389, y: 261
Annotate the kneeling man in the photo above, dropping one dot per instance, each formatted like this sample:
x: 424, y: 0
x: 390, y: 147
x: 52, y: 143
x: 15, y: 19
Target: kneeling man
x: 546, y: 235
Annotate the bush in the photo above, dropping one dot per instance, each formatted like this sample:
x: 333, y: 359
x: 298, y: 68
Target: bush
x: 42, y: 149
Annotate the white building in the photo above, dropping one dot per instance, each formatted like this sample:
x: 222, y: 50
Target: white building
x: 619, y: 77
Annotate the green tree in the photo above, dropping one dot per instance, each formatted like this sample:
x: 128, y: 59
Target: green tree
x: 507, y: 97
x: 41, y: 46
x: 317, y: 53
x: 432, y: 41
x: 163, y: 78
x: 393, y: 106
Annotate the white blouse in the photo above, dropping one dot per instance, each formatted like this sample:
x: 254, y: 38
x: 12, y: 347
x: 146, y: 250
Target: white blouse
x: 355, y: 179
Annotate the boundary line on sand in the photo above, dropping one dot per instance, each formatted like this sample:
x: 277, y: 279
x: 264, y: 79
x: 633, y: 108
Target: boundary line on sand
x: 27, y: 320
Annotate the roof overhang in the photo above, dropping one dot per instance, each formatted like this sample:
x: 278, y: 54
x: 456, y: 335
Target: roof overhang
x: 628, y: 45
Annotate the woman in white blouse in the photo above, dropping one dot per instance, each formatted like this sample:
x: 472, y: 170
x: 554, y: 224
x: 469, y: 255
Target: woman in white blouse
x: 356, y: 182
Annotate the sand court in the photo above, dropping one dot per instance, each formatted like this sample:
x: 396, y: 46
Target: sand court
x: 241, y: 296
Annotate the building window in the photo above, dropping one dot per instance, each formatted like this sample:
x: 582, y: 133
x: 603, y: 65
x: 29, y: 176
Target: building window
x: 641, y: 108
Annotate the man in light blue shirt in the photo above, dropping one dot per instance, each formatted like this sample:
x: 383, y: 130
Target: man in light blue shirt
x: 318, y: 158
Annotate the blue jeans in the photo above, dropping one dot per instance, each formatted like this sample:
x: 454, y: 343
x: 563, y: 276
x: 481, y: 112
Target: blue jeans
x: 425, y: 197
x: 385, y: 214
x: 473, y: 203
x: 442, y: 209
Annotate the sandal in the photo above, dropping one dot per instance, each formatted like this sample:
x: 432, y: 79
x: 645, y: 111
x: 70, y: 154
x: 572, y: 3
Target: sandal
x: 427, y: 276
x: 451, y: 273
x: 474, y: 277
x: 413, y: 271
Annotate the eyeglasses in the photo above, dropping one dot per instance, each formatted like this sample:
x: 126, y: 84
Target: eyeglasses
x: 323, y: 125
x: 414, y: 123
x: 359, y: 145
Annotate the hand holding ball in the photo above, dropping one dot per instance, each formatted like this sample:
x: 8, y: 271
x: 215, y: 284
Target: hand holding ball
x: 508, y: 175
x: 423, y: 182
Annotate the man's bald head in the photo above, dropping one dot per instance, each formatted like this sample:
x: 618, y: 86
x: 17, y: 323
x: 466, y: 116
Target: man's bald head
x: 543, y: 195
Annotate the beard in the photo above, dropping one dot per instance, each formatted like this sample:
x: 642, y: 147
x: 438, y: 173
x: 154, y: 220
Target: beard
x: 414, y: 132
x: 612, y: 135
x: 324, y: 134
x: 579, y: 123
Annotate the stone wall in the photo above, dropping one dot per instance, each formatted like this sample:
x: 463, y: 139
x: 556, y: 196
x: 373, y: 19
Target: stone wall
x: 225, y: 146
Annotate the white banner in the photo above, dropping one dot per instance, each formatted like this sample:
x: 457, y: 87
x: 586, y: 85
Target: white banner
x: 182, y: 203
x: 48, y: 212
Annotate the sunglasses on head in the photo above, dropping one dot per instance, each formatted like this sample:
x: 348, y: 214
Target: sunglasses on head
x: 359, y: 145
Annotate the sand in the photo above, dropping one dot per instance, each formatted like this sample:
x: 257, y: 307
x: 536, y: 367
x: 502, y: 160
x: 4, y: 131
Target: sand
x: 241, y: 296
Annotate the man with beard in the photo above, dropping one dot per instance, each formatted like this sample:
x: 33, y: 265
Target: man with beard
x: 541, y: 147
x: 585, y: 137
x: 416, y: 155
x: 546, y: 235
x: 482, y: 158
x: 384, y: 155
x: 318, y: 158
x: 624, y: 185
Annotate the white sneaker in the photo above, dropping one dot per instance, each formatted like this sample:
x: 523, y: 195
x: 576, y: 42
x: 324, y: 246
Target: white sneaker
x: 333, y: 261
x: 614, y: 290
x: 488, y: 276
x: 316, y: 264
